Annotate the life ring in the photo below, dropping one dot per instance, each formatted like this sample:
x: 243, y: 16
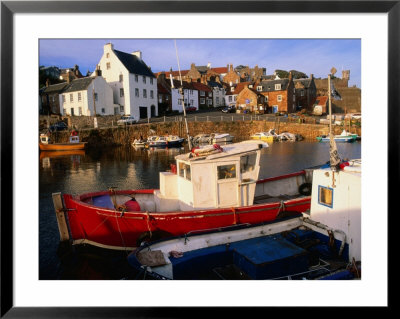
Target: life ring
x: 305, y: 189
x: 74, y: 133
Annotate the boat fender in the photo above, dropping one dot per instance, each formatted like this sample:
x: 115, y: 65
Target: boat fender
x: 305, y: 189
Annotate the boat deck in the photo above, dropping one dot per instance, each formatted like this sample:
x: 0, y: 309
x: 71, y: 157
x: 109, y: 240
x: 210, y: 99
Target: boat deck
x: 274, y: 199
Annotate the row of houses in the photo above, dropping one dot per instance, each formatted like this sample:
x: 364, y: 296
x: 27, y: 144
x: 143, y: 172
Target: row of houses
x: 123, y: 84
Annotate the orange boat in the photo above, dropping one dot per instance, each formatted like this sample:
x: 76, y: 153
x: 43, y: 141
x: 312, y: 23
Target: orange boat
x: 73, y: 144
x: 53, y: 154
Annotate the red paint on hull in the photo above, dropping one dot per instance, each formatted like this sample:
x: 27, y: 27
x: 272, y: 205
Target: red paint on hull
x: 112, y: 228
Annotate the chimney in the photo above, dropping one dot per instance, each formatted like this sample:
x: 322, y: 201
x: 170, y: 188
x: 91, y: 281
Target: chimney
x: 209, y: 65
x: 311, y: 76
x: 290, y: 76
x: 108, y: 47
x: 47, y: 83
x: 138, y: 54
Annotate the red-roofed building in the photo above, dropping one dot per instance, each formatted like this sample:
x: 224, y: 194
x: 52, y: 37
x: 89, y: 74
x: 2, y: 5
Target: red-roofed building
x: 250, y: 100
x: 205, y: 94
x: 320, y: 105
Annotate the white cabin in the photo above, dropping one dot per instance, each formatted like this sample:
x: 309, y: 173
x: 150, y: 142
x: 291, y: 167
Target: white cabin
x: 336, y: 201
x: 212, y: 179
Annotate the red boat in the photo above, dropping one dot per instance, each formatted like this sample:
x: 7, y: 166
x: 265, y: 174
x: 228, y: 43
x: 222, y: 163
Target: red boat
x: 209, y: 188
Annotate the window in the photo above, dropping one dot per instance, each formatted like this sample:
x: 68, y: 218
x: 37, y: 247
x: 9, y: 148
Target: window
x: 191, y: 92
x: 191, y: 102
x: 248, y: 162
x: 103, y: 110
x: 166, y: 98
x: 79, y: 96
x: 107, y: 55
x: 144, y: 79
x: 121, y: 108
x: 202, y: 101
x: 209, y: 94
x: 209, y: 102
x: 108, y: 65
x: 136, y: 78
x: 72, y: 111
x: 121, y: 77
x: 151, y: 80
x: 95, y: 97
x: 137, y: 92
x: 250, y: 86
x: 235, y: 98
x: 121, y: 92
x: 151, y: 94
x: 202, y: 93
x: 279, y: 98
x: 71, y: 97
x: 266, y: 99
x: 232, y: 89
x: 80, y: 111
x: 226, y: 171
x: 325, y: 196
x: 217, y: 100
x: 184, y: 171
x: 64, y: 111
x: 63, y: 98
x: 302, y: 93
x: 277, y: 87
x: 259, y: 88
x: 145, y: 93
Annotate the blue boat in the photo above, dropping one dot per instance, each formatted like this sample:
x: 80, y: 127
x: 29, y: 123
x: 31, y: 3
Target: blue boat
x: 322, y: 244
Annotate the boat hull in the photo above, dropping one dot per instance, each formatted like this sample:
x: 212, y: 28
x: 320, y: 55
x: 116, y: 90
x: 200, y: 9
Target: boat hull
x: 264, y: 138
x: 337, y: 139
x: 62, y: 146
x: 112, y: 229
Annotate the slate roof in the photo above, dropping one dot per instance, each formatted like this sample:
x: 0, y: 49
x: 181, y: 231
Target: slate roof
x: 79, y: 84
x: 214, y: 84
x: 269, y: 85
x: 240, y: 86
x: 54, y: 88
x: 134, y: 64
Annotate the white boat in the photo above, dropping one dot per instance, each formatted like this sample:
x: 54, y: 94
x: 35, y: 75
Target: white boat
x: 323, y: 244
x: 201, y: 139
x: 218, y: 138
x: 157, y: 141
x: 173, y: 141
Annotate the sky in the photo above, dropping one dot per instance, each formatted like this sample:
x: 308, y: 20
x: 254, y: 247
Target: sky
x: 310, y: 56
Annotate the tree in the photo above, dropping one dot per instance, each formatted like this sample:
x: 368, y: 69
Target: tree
x: 282, y: 74
x: 298, y: 75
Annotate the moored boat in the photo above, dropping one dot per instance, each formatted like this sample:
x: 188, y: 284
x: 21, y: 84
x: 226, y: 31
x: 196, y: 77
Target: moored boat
x: 218, y: 138
x: 324, y: 244
x: 173, y: 141
x: 337, y: 138
x: 45, y: 143
x: 157, y: 141
x: 264, y: 136
x: 210, y: 189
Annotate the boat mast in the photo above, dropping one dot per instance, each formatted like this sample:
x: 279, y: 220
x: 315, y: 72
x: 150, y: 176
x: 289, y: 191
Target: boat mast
x: 183, y: 97
x: 334, y: 156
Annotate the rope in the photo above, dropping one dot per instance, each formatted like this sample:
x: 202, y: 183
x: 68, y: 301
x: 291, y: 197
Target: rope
x: 234, y: 215
x: 281, y: 206
x: 120, y: 233
x: 148, y: 223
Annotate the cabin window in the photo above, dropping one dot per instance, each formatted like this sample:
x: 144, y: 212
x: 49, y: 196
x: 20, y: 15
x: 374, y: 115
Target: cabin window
x: 184, y: 171
x: 248, y: 162
x: 325, y: 196
x: 226, y: 171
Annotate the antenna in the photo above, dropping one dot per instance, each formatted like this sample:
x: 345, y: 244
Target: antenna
x: 183, y: 98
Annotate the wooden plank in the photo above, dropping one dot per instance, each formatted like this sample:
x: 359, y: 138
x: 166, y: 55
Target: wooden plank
x: 62, y: 223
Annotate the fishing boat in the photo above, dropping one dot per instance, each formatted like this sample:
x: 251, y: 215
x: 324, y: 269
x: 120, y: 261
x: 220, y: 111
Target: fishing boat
x: 157, y: 141
x: 53, y: 154
x: 213, y: 187
x: 174, y: 141
x: 141, y: 142
x: 201, y: 139
x: 264, y: 136
x: 337, y: 138
x: 324, y: 244
x: 45, y: 143
x: 218, y: 138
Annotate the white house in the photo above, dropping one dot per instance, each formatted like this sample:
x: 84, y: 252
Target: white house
x: 133, y: 83
x: 191, y: 96
x: 218, y: 93
x: 87, y: 96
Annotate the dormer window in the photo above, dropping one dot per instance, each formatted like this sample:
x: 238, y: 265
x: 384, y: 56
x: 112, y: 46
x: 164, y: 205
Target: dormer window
x: 250, y: 86
x: 277, y: 87
x: 259, y: 88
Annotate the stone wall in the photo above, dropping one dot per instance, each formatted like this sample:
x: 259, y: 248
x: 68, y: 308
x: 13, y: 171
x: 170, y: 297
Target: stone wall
x: 241, y: 130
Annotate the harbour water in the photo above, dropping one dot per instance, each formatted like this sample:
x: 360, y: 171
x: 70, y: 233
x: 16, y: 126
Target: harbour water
x: 130, y: 168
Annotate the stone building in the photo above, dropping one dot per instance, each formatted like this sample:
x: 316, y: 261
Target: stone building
x: 279, y: 94
x: 306, y: 92
x: 250, y: 100
x: 231, y: 77
x: 50, y: 97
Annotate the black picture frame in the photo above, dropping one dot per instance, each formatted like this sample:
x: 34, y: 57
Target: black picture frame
x: 9, y: 8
